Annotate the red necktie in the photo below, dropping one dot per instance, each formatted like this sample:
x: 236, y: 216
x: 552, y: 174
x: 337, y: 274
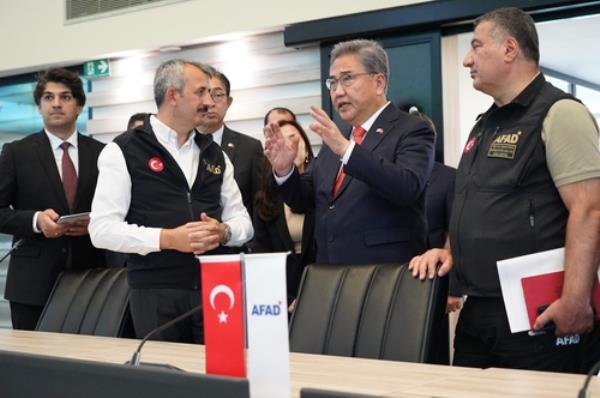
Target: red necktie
x: 358, y: 135
x: 69, y: 175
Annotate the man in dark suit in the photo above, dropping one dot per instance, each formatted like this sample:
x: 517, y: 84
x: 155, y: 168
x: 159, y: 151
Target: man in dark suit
x: 42, y: 177
x: 368, y: 196
x: 245, y: 152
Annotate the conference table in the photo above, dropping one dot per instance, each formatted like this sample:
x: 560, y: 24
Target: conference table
x: 356, y: 375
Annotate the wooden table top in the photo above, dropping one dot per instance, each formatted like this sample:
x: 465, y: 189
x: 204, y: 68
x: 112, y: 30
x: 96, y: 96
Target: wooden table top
x: 375, y: 377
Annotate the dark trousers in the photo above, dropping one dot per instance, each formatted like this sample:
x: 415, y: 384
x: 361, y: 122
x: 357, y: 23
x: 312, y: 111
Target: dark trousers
x: 483, y: 339
x: 25, y: 316
x: 591, y: 348
x: 151, y: 308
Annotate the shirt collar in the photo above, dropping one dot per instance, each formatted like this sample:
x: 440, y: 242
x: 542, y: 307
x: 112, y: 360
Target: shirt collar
x: 369, y: 122
x: 55, y: 141
x: 530, y: 92
x: 526, y: 96
x: 167, y: 135
x: 217, y: 136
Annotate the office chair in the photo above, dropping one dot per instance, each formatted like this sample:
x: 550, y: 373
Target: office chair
x: 368, y: 311
x: 91, y: 301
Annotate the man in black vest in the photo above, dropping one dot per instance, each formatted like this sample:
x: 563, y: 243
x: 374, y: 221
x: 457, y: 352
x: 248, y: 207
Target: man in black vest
x: 164, y: 194
x: 527, y: 182
x: 43, y: 176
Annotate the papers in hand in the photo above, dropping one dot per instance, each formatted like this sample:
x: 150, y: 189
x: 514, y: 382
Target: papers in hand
x: 530, y: 281
x: 73, y: 218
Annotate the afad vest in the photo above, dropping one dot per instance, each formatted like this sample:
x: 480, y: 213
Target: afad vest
x: 161, y: 197
x: 506, y: 204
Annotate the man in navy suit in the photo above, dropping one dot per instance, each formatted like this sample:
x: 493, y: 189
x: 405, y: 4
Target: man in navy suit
x: 42, y: 177
x: 367, y: 185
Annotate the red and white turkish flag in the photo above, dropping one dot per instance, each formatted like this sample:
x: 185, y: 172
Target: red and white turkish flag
x: 223, y: 308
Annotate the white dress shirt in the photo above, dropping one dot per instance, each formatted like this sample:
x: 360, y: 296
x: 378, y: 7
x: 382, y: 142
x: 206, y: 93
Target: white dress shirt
x: 108, y: 228
x: 57, y: 151
x: 217, y: 136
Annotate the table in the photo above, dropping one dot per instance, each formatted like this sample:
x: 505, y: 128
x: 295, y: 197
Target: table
x: 376, y: 377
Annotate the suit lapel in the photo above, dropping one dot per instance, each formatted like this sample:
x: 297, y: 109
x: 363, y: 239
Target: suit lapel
x: 375, y: 135
x: 86, y: 164
x: 380, y: 128
x: 229, y: 143
x: 332, y: 170
x: 48, y: 164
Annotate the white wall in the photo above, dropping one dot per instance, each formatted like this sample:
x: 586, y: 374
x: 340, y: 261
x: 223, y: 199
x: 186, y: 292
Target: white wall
x: 262, y: 71
x: 34, y: 35
x: 461, y: 102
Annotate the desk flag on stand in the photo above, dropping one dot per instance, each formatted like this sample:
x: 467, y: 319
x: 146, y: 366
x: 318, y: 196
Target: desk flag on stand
x: 223, y: 308
x: 267, y: 325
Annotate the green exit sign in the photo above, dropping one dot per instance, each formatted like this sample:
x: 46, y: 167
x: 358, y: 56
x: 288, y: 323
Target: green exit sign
x: 97, y: 68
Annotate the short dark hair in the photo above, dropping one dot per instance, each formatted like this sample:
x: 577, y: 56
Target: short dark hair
x: 221, y: 76
x: 136, y: 117
x: 279, y: 109
x: 517, y: 23
x: 62, y: 76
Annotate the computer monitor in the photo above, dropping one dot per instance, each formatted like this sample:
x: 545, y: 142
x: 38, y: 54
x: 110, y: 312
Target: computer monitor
x: 29, y: 375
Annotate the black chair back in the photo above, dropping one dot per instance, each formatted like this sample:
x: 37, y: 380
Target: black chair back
x: 92, y: 301
x: 368, y: 311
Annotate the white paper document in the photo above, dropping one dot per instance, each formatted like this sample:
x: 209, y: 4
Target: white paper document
x: 512, y: 270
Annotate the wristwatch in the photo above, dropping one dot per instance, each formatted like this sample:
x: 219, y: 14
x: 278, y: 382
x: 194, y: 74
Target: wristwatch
x: 226, y: 235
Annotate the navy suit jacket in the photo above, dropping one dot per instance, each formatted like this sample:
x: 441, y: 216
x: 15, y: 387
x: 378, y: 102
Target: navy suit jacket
x: 378, y: 214
x: 440, y: 195
x: 30, y: 182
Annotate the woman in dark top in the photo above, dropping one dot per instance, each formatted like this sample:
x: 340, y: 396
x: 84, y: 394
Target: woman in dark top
x: 277, y: 228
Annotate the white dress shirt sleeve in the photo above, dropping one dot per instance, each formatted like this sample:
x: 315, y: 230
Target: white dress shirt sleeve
x: 281, y: 180
x: 346, y: 156
x: 234, y: 212
x: 108, y: 228
x: 35, y: 217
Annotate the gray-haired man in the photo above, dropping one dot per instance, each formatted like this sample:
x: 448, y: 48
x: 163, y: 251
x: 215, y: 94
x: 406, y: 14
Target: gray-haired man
x: 367, y: 185
x: 164, y: 194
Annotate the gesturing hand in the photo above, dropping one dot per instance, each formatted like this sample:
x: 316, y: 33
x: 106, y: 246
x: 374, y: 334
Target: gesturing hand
x: 328, y: 131
x: 280, y: 151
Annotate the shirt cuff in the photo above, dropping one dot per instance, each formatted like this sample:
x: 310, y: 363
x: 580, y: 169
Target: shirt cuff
x: 281, y: 180
x: 35, y: 217
x: 348, y: 152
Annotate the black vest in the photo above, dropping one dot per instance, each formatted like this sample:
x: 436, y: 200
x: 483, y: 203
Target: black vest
x: 506, y: 203
x: 161, y: 198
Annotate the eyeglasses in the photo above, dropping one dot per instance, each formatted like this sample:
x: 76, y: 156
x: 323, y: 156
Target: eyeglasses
x: 218, y: 96
x: 347, y: 80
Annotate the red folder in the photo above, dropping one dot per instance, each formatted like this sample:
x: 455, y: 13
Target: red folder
x: 544, y: 289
